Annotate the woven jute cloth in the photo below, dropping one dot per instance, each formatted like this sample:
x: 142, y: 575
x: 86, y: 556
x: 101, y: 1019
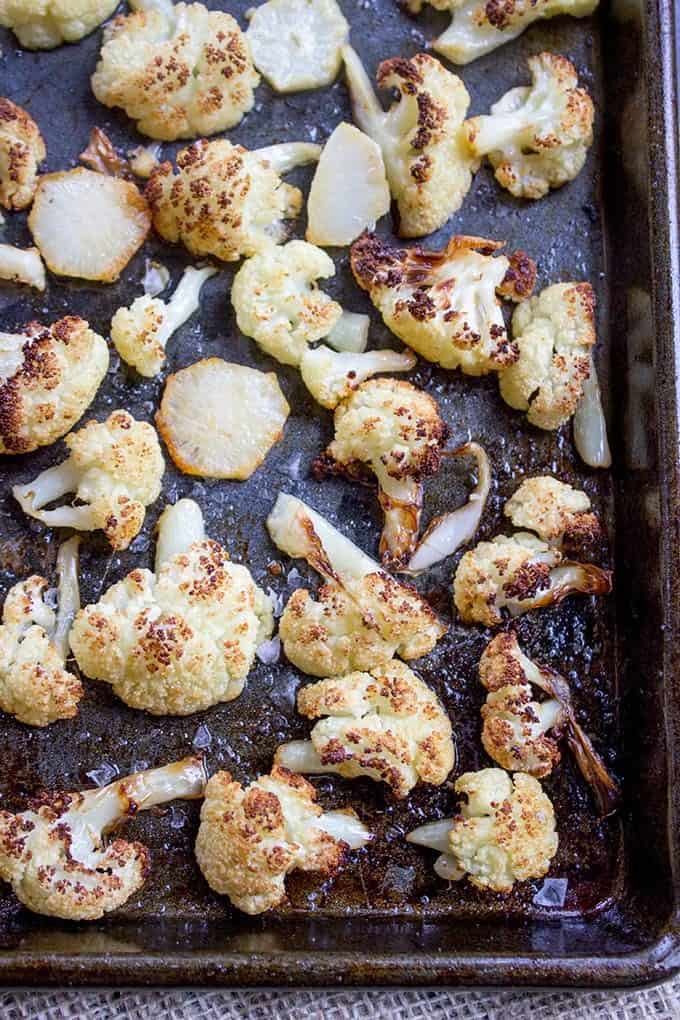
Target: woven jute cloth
x: 343, y: 1005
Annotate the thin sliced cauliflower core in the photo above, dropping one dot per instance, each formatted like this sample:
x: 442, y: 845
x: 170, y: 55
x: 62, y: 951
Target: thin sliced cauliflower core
x: 22, y: 265
x: 332, y: 376
x: 44, y: 24
x: 220, y: 420
x: 297, y: 44
x: 22, y: 150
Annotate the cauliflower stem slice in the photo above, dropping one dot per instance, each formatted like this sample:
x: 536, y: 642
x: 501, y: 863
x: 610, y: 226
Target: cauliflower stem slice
x: 332, y: 376
x: 345, y: 827
x: 350, y: 333
x: 286, y: 156
x: 590, y: 426
x: 179, y: 526
x: 22, y: 265
x: 50, y: 485
x: 68, y: 593
x: 566, y: 579
x: 435, y: 836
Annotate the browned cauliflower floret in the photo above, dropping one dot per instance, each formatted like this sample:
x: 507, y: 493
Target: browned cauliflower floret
x: 429, y: 165
x: 44, y: 24
x: 179, y: 70
x: 444, y: 304
x: 114, y: 469
x: 553, y: 334
x: 224, y: 200
x: 250, y: 839
x: 386, y: 724
x: 505, y: 833
x: 22, y: 150
x: 48, y: 378
x: 363, y: 616
x: 392, y: 429
x: 55, y: 854
x: 519, y: 573
x: 555, y: 511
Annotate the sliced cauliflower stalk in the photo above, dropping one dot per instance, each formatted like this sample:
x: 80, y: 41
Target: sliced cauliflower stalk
x: 181, y: 639
x: 297, y: 44
x: 250, y: 839
x: 519, y: 573
x: 278, y: 302
x: 114, y: 469
x: 55, y: 853
x: 559, y: 514
x: 590, y: 424
x: 140, y: 333
x: 516, y: 730
x: 333, y: 376
x: 505, y: 832
x: 386, y: 724
x: 48, y: 378
x: 22, y: 150
x: 363, y: 616
x: 22, y: 265
x: 179, y: 70
x: 44, y: 24
x: 35, y: 686
x: 429, y: 164
x: 226, y: 201
x: 393, y: 430
x: 445, y: 304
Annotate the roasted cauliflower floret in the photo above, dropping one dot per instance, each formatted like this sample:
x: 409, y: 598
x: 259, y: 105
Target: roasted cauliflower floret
x: 183, y: 638
x: 363, y: 616
x: 114, y: 469
x: 553, y: 334
x: 297, y: 44
x: 250, y: 839
x: 55, y: 854
x: 278, y: 302
x: 224, y: 200
x: 35, y: 686
x: 558, y: 513
x: 179, y: 70
x: 333, y: 376
x: 444, y: 304
x: 429, y: 165
x: 44, y: 24
x: 519, y: 573
x: 22, y: 150
x: 386, y: 724
x: 394, y: 430
x: 537, y: 137
x: 48, y: 378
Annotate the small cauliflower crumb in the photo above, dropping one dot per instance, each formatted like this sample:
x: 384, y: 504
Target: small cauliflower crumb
x: 297, y: 44
x: 44, y: 24
x: 22, y: 150
x: 555, y: 511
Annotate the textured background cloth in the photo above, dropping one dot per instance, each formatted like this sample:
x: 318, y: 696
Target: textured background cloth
x: 343, y: 1005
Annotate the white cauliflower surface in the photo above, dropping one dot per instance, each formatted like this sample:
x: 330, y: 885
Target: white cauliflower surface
x: 297, y: 44
x: 44, y: 24
x: 558, y: 513
x: 333, y: 376
x: 22, y: 150
x: 251, y: 838
x: 22, y: 265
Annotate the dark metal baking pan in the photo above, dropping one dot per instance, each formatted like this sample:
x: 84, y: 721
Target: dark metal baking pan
x: 387, y: 918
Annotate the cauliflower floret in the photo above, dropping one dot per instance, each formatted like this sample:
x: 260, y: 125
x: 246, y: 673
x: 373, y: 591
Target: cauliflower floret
x: 332, y: 376
x: 48, y: 378
x: 278, y: 303
x: 296, y: 44
x: 553, y: 334
x: 428, y: 162
x: 226, y: 201
x: 178, y: 70
x: 55, y: 856
x: 34, y: 684
x: 558, y: 513
x: 22, y: 150
x: 114, y: 469
x: 505, y: 833
x: 480, y: 26
x: 363, y: 616
x: 181, y: 639
x: 44, y: 24
x: 140, y: 333
x: 445, y: 304
x: 395, y: 430
x: 250, y: 839
x: 519, y: 573
x: 386, y: 724
x: 22, y: 265
x: 537, y: 137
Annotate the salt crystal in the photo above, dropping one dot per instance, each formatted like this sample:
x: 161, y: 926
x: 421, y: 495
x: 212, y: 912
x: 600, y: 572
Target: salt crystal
x: 293, y: 468
x: 103, y: 774
x: 294, y: 576
x: 202, y: 738
x: 552, y: 893
x: 156, y: 277
x: 276, y: 601
x: 269, y: 651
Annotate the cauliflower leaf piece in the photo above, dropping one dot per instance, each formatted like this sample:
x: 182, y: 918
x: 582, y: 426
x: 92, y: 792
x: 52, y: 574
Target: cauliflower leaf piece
x: 140, y: 333
x: 559, y: 514
x: 362, y: 617
x: 48, y: 378
x: 114, y: 469
x: 428, y: 162
x: 250, y: 839
x: 55, y: 853
x: 179, y: 71
x: 44, y: 24
x: 333, y: 376
x: 297, y: 44
x: 519, y: 573
x: 553, y: 334
x: 386, y: 724
x: 444, y: 304
x: 243, y: 201
x: 537, y: 137
x: 22, y: 150
x: 394, y: 430
x: 22, y: 265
